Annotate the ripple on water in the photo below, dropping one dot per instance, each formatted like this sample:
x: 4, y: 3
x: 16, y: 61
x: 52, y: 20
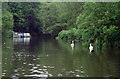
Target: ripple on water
x: 82, y: 76
x: 34, y: 59
x: 3, y: 73
x: 23, y: 70
x: 81, y: 67
x: 82, y: 72
x: 28, y: 55
x: 17, y: 74
x: 36, y: 75
x: 63, y: 69
x: 15, y: 70
x: 44, y: 66
x: 50, y: 75
x: 44, y: 69
x: 38, y: 65
x: 71, y: 72
x: 23, y: 73
x: 24, y: 63
x: 35, y: 67
x: 36, y: 71
x: 77, y: 70
x: 60, y: 75
x: 38, y: 58
x: 51, y: 67
x: 6, y: 58
x: 39, y: 69
x: 77, y: 75
x: 31, y: 69
x: 19, y: 59
x: 4, y: 70
x: 14, y: 77
x: 30, y: 64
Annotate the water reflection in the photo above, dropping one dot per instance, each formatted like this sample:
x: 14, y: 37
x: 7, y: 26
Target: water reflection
x: 25, y: 41
x: 51, y: 58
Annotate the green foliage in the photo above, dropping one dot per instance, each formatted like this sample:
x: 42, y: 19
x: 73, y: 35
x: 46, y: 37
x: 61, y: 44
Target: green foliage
x: 55, y: 29
x: 63, y: 34
x: 26, y: 17
x: 96, y: 22
x: 88, y: 21
x: 59, y: 16
x: 7, y: 22
x: 110, y: 33
x: 67, y: 34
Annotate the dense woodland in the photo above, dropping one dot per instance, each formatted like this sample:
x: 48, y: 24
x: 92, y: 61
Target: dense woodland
x: 96, y: 22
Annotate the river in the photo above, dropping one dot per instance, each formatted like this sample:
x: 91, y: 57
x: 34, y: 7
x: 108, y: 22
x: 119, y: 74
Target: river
x: 38, y: 57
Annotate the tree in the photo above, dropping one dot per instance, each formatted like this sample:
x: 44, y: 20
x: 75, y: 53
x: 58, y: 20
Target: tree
x: 26, y: 18
x: 7, y: 21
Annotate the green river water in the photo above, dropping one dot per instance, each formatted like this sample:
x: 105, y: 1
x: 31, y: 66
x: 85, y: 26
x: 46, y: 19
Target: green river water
x: 38, y: 57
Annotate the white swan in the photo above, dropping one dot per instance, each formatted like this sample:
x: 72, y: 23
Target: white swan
x: 72, y: 44
x: 90, y: 47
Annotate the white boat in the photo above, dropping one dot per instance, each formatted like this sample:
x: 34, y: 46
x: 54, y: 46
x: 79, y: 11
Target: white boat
x: 21, y: 35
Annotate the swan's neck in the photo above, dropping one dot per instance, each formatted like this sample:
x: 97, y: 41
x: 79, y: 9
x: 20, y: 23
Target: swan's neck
x: 90, y: 45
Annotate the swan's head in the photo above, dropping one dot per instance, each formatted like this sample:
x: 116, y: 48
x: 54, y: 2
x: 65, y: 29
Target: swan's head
x: 72, y: 41
x: 90, y: 44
